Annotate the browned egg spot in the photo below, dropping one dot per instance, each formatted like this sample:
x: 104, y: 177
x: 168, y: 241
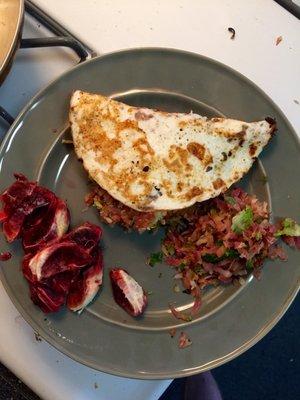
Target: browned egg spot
x: 218, y: 183
x: 232, y: 136
x: 179, y: 186
x: 142, y: 116
x: 199, y: 151
x: 177, y: 161
x: 252, y: 149
x: 194, y: 192
x: 236, y: 176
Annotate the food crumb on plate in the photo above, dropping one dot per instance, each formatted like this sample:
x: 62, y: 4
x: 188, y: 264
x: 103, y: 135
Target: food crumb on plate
x: 184, y: 341
x: 232, y: 31
x: 67, y: 141
x: 37, y: 337
x: 172, y: 332
x: 155, y: 258
x: 5, y: 256
x: 278, y: 40
x: 96, y: 385
x: 176, y: 288
x: 242, y: 281
x: 296, y: 101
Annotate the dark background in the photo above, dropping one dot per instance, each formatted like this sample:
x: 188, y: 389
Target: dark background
x: 270, y: 370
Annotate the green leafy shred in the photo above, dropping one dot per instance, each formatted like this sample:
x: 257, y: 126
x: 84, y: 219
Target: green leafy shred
x: 242, y: 220
x: 156, y: 220
x: 155, y: 258
x: 258, y: 236
x: 289, y: 228
x: 167, y: 249
x: 213, y: 258
x: 210, y: 258
x: 230, y: 253
x: 181, y: 267
x: 97, y: 204
x: 198, y: 269
x: 229, y: 199
x: 249, y: 265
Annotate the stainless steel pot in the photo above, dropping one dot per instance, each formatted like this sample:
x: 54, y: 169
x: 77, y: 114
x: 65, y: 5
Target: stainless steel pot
x: 11, y: 22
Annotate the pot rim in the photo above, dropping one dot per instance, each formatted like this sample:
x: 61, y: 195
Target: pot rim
x: 12, y: 14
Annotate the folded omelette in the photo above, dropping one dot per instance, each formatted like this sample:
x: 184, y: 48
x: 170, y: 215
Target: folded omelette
x: 152, y: 160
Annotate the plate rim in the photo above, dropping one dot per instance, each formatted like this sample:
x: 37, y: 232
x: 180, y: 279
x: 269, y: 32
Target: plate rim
x: 141, y: 375
x: 146, y: 49
x: 159, y: 376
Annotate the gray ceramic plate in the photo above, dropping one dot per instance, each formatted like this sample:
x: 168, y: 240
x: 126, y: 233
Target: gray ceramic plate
x: 104, y: 336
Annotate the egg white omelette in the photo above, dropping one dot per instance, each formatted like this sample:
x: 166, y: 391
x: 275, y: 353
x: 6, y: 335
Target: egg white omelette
x: 152, y: 160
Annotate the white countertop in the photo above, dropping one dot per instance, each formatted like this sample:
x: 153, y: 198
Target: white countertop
x: 109, y: 25
x: 198, y: 26
x: 46, y: 371
x: 54, y: 376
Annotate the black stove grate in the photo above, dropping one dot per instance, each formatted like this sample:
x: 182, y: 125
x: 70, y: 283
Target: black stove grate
x: 6, y: 116
x: 63, y: 38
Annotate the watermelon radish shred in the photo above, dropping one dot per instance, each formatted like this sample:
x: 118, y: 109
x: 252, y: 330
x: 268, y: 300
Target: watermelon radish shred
x: 292, y: 241
x: 188, y: 316
x: 112, y: 212
x: 184, y: 341
x: 221, y: 241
